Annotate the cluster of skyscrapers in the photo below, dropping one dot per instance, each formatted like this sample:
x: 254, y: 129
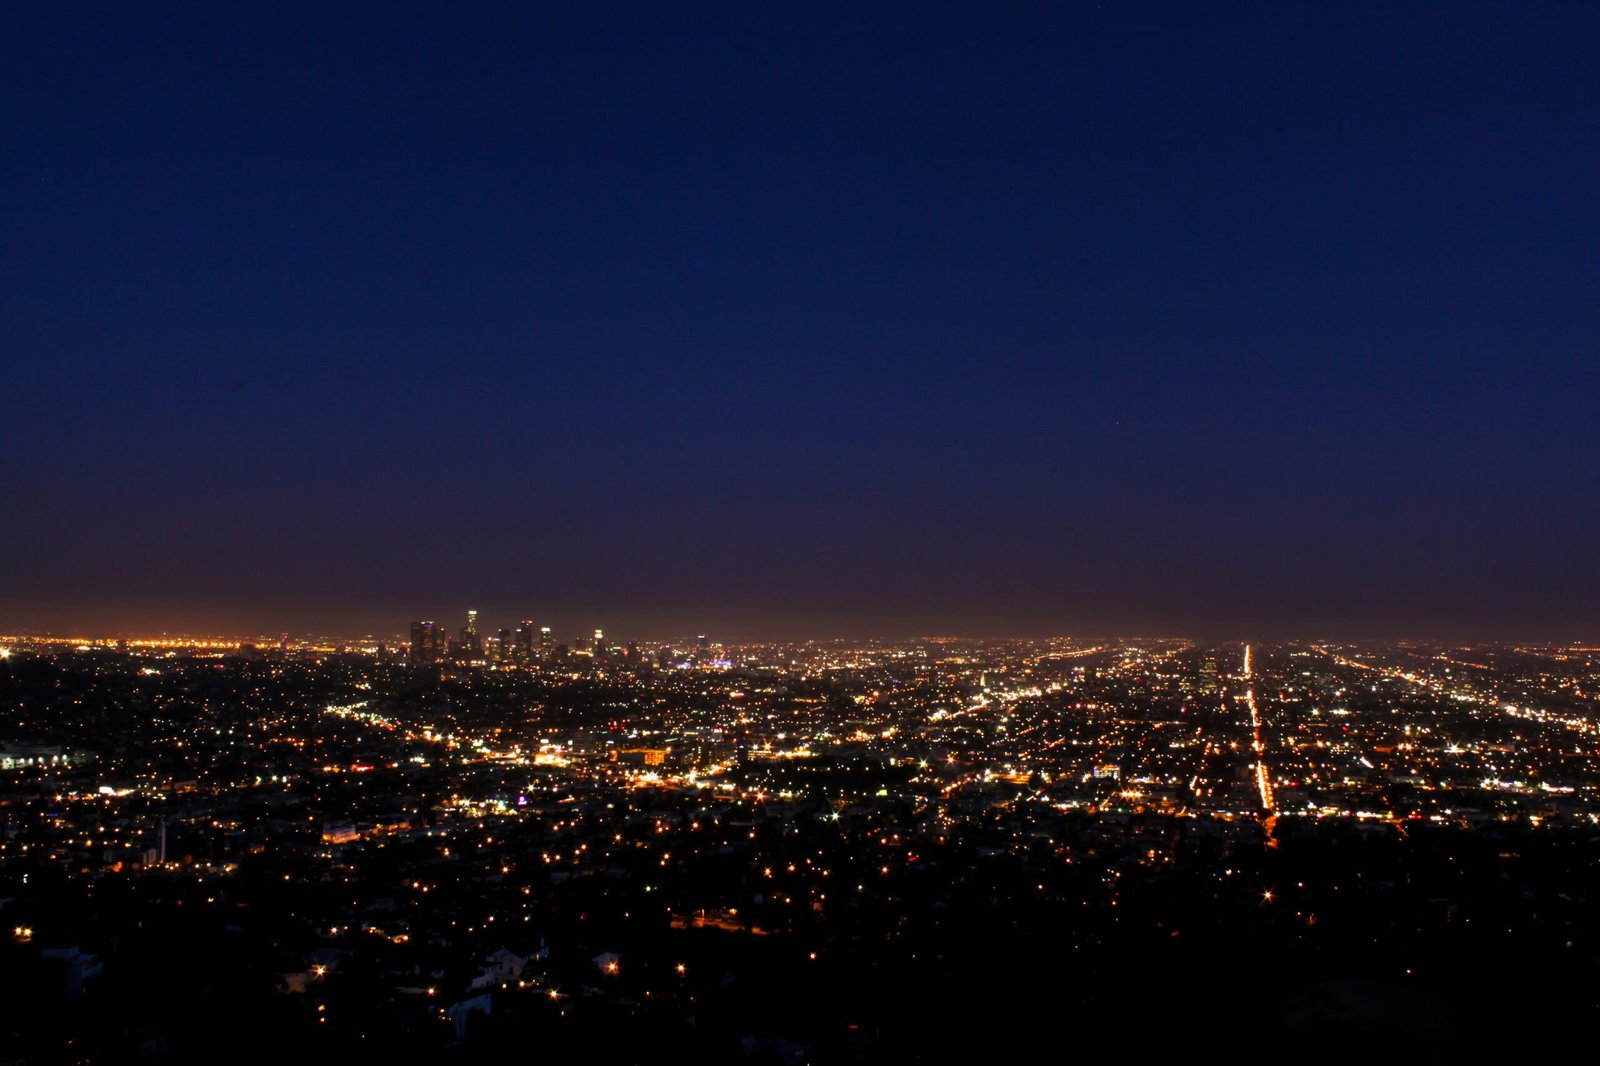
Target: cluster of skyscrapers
x: 431, y: 643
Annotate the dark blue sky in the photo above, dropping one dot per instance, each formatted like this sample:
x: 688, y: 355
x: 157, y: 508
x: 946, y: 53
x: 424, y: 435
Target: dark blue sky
x: 802, y: 318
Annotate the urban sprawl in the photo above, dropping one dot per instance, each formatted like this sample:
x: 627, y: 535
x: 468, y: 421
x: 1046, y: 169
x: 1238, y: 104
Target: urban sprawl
x: 457, y: 841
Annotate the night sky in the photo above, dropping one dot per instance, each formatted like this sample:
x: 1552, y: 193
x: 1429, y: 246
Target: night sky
x: 802, y: 319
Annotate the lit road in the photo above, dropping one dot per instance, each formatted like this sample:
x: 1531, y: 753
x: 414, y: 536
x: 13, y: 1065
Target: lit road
x: 1263, y: 778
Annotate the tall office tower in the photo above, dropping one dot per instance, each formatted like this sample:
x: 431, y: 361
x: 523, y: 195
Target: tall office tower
x: 471, y: 629
x: 425, y: 642
x: 503, y: 649
x: 545, y: 647
x: 471, y: 646
x: 599, y: 641
x: 525, y: 641
x: 703, y: 647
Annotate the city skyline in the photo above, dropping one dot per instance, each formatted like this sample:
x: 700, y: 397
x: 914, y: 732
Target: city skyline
x: 578, y: 632
x: 819, y: 534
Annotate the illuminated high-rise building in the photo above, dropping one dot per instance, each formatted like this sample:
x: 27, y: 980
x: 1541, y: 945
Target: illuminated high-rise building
x: 599, y: 641
x: 525, y: 640
x: 545, y: 643
x: 427, y: 642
